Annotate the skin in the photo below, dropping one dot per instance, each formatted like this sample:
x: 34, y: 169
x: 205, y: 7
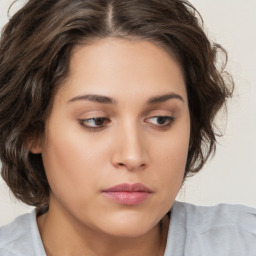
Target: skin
x: 128, y: 143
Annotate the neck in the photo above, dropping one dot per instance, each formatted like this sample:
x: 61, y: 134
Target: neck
x: 60, y: 229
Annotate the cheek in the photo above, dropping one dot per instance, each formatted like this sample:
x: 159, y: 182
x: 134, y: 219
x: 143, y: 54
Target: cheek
x: 171, y: 168
x: 171, y: 157
x: 74, y: 162
x: 64, y: 157
x: 172, y: 151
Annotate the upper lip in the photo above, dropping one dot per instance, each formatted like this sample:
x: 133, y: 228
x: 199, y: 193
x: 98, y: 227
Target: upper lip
x: 126, y: 187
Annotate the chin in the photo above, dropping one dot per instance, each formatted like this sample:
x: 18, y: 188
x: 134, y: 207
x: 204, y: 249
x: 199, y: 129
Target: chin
x: 129, y: 231
x: 129, y: 225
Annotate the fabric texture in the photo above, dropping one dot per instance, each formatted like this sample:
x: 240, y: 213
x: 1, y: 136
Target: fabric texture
x: 223, y: 230
x: 21, y: 237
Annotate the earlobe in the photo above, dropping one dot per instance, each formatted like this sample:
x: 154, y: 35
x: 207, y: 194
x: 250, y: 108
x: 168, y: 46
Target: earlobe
x: 35, y: 149
x: 33, y: 145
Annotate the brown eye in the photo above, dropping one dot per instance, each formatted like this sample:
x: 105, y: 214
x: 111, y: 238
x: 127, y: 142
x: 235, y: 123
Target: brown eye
x: 95, y: 122
x: 161, y: 120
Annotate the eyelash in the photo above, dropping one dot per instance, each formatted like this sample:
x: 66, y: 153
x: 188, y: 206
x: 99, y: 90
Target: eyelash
x: 94, y: 128
x: 168, y: 120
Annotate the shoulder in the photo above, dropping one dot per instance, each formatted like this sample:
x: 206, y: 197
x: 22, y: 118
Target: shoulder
x: 204, y: 217
x: 20, y: 237
x: 223, y: 229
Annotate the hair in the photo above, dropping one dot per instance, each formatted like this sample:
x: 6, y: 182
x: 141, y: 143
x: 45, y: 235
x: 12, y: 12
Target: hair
x: 35, y: 50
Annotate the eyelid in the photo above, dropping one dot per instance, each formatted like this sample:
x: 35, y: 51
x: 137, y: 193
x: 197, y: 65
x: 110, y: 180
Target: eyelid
x: 99, y: 127
x: 168, y: 121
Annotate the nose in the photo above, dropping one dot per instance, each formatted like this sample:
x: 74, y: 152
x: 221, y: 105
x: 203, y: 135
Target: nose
x: 130, y: 150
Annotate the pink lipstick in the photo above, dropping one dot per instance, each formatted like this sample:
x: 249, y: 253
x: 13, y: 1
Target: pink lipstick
x: 128, y: 194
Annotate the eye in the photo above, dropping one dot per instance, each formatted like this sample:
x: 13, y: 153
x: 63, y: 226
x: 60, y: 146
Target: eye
x: 94, y: 123
x: 161, y: 121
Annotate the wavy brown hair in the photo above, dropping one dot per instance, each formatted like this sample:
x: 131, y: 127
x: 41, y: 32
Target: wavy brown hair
x: 35, y: 50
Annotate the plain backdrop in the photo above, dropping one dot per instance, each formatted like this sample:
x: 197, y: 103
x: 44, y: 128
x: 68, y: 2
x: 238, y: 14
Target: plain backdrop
x: 230, y: 177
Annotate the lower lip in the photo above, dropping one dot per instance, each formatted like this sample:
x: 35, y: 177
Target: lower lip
x: 128, y: 198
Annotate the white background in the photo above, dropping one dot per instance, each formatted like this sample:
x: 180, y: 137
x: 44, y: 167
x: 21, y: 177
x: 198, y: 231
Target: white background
x: 230, y: 176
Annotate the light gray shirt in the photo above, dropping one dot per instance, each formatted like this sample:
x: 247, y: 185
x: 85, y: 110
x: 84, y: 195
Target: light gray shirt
x: 223, y: 230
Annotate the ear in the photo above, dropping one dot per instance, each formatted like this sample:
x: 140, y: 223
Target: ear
x: 36, y: 149
x: 34, y: 145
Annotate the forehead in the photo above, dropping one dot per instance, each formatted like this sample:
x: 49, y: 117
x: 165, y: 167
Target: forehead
x: 119, y: 67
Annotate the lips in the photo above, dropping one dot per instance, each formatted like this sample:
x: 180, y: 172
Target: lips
x: 125, y: 187
x: 128, y: 194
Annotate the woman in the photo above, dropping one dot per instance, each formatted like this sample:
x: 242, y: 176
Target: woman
x: 106, y: 108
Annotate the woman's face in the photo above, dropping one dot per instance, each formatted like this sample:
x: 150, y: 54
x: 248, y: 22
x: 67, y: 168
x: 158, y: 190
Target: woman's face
x: 116, y: 142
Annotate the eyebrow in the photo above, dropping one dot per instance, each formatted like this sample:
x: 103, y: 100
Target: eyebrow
x: 94, y: 98
x: 163, y: 98
x: 107, y: 100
